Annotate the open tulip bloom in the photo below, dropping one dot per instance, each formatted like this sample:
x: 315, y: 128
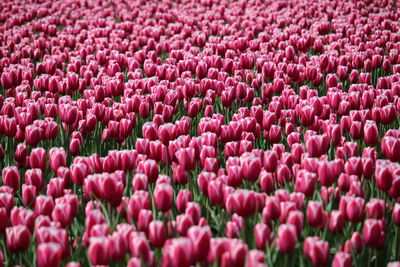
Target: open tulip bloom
x: 200, y: 133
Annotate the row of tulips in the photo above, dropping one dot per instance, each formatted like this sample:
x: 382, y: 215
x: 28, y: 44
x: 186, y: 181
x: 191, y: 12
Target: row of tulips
x: 206, y: 133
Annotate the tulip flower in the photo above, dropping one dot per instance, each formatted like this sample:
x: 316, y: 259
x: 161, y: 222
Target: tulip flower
x: 17, y: 238
x: 287, y: 238
x: 49, y: 254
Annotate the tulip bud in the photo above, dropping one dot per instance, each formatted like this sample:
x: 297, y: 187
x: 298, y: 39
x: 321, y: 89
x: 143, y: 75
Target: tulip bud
x: 43, y: 205
x: 314, y: 213
x: 48, y: 254
x: 98, y: 251
x: 336, y: 222
x: 396, y: 214
x: 200, y: 237
x: 37, y: 158
x: 371, y: 134
x: 34, y: 177
x: 375, y: 208
x: 163, y: 194
x: 355, y: 244
x: 11, y: 177
x: 232, y: 229
x: 57, y: 158
x: 17, y: 238
x: 183, y: 223
x: 373, y: 233
x: 262, y: 234
x: 287, y: 238
x: 157, y: 233
x: 342, y: 259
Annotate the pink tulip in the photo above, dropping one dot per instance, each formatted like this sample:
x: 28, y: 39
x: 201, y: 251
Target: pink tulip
x: 11, y: 177
x: 17, y: 238
x: 49, y: 254
x: 287, y: 238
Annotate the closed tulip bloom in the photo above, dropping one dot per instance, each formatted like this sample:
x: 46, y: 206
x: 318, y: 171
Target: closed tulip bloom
x: 163, y: 197
x: 150, y: 168
x: 305, y: 182
x: 178, y: 252
x: 57, y: 158
x: 375, y: 208
x: 234, y: 175
x: 3, y: 220
x: 255, y: 258
x: 17, y: 238
x: 275, y: 133
x: 145, y: 217
x: 356, y: 130
x: 307, y: 116
x: 354, y: 166
x: 396, y: 214
x: 266, y: 182
x: 243, y: 202
x: 314, y: 213
x: 20, y: 154
x: 251, y: 167
x: 383, y: 175
x: 98, y: 251
x: 139, y: 182
x: 183, y: 223
x: 74, y: 146
x: 134, y: 262
x: 183, y: 197
x: 317, y: 250
x: 43, y: 205
x: 368, y: 167
x: 62, y: 213
x: 79, y: 171
x: 11, y: 177
x: 180, y: 175
x: 48, y: 254
x: 373, y: 233
x: 353, y: 207
x: 157, y: 233
x: 273, y: 208
x: 201, y: 238
x: 32, y: 135
x: 215, y: 192
x: 342, y: 259
x: 262, y: 234
x: 336, y: 222
x: 7, y: 201
x: 118, y: 245
x: 390, y: 145
x: 296, y: 218
x: 28, y: 194
x: 371, y: 134
x: 326, y: 173
x: 37, y: 158
x: 193, y: 209
x: 355, y: 244
x: 34, y: 177
x: 22, y: 216
x: 186, y: 158
x: 232, y: 229
x: 55, y: 187
x: 287, y: 238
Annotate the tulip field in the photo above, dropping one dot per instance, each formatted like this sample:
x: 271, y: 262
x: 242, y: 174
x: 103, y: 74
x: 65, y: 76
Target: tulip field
x: 200, y: 133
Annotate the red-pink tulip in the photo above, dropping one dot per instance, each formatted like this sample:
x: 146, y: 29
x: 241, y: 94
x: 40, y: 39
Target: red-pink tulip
x: 287, y: 238
x: 48, y: 254
x: 17, y: 238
